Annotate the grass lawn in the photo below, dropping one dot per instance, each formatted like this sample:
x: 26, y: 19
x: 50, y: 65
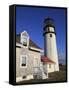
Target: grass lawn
x: 53, y: 77
x: 57, y: 76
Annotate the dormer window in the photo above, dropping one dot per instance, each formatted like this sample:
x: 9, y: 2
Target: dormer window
x: 24, y: 38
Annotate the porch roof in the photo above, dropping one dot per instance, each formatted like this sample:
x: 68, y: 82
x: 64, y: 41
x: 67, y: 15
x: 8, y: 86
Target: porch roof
x: 46, y: 59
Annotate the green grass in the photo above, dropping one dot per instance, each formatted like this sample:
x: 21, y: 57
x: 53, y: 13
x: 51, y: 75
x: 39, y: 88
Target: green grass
x: 57, y: 76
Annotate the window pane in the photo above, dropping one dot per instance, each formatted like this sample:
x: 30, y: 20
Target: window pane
x: 36, y: 62
x: 50, y: 35
x: 24, y: 40
x: 23, y: 61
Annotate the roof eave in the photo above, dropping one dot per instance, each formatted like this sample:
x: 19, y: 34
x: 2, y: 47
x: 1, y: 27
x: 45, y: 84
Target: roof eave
x: 32, y: 48
x: 37, y: 49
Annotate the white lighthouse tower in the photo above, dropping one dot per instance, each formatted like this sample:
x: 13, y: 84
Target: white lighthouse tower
x: 50, y: 46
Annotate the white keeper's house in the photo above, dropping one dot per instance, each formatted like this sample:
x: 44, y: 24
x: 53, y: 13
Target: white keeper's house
x: 30, y: 64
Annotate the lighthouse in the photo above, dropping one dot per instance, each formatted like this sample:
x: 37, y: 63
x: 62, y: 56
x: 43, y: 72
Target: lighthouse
x: 50, y: 45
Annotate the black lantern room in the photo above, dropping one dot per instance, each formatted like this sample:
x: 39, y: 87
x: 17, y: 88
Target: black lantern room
x: 48, y: 22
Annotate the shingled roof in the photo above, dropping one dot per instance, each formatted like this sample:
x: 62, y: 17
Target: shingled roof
x: 46, y: 59
x: 31, y: 43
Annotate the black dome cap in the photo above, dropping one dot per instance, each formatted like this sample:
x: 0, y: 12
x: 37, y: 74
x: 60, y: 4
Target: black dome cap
x: 49, y: 22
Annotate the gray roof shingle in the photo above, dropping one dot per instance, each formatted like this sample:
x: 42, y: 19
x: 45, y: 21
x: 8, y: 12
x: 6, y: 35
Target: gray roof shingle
x: 31, y: 43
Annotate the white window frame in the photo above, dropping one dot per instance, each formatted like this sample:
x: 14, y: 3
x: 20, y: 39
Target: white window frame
x: 37, y: 61
x: 24, y: 37
x: 21, y: 39
x: 21, y: 61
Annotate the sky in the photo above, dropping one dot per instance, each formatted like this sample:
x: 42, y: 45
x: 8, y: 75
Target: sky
x: 32, y: 20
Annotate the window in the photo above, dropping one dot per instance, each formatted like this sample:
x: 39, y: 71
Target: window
x: 49, y: 65
x: 48, y: 29
x: 36, y: 62
x: 24, y: 40
x: 23, y: 61
x: 50, y: 35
